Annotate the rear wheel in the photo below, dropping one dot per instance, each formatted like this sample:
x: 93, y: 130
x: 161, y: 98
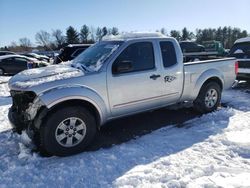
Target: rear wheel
x: 67, y: 131
x: 209, y: 98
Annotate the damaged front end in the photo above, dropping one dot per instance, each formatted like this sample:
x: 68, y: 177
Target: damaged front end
x: 24, y: 109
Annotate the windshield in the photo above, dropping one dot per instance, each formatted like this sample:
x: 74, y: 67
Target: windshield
x: 240, y: 50
x: 94, y: 57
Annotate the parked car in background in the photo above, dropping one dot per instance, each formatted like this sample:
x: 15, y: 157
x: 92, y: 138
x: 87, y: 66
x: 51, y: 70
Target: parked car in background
x: 64, y: 106
x: 241, y: 51
x: 70, y: 52
x: 36, y: 56
x: 188, y: 46
x: 216, y: 47
x: 6, y: 53
x: 12, y: 64
x: 50, y: 54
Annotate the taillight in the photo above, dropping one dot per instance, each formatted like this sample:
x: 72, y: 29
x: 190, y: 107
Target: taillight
x: 236, y: 68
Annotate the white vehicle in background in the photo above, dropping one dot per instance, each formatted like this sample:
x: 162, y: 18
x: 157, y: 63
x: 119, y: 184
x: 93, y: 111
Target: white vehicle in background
x: 38, y: 57
x: 241, y: 51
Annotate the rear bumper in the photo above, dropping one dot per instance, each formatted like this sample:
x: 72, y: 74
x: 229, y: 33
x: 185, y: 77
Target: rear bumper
x: 243, y: 76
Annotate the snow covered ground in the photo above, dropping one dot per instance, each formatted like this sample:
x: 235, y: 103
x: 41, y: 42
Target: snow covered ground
x: 208, y: 151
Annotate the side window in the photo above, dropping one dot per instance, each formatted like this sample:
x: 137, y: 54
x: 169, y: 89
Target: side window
x: 21, y: 61
x: 136, y: 57
x: 168, y: 54
x: 8, y: 60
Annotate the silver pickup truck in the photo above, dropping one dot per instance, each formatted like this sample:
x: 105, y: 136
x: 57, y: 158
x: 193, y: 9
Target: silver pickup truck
x: 63, y: 106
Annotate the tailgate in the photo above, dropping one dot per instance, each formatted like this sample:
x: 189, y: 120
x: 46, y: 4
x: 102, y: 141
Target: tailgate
x: 244, y: 65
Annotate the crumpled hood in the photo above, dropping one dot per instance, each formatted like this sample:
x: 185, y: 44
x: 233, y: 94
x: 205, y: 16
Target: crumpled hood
x: 38, y: 76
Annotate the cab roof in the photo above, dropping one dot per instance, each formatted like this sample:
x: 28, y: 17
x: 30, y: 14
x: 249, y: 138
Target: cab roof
x: 133, y: 35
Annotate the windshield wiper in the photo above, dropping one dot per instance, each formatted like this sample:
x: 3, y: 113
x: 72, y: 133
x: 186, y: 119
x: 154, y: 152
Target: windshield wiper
x: 84, y: 68
x: 81, y: 66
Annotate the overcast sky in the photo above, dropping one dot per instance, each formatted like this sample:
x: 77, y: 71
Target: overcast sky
x: 23, y: 18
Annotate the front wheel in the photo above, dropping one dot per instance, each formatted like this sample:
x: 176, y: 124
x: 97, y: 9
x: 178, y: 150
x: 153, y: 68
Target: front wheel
x: 67, y: 131
x: 209, y: 98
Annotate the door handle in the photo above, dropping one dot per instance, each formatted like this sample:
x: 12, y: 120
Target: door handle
x: 155, y: 76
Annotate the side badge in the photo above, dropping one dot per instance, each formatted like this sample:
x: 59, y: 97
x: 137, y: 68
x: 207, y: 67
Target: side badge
x: 169, y: 78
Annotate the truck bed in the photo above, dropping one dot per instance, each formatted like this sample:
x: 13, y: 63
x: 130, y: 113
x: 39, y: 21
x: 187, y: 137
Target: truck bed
x: 196, y: 72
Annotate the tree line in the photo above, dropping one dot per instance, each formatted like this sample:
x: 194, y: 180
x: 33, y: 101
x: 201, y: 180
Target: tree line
x: 226, y: 35
x: 57, y: 39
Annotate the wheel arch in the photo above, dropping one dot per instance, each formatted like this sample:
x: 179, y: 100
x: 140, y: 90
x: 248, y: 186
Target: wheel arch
x: 78, y: 96
x: 79, y: 102
x: 214, y: 79
x: 211, y: 75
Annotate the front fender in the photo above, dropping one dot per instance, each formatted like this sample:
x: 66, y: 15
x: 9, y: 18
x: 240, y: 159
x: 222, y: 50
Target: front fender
x: 57, y: 95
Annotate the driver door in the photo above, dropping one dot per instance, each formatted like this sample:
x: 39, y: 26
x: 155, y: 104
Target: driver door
x: 134, y: 82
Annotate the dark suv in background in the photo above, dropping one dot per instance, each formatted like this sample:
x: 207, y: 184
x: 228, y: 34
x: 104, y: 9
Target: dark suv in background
x: 241, y: 51
x: 189, y: 47
x: 70, y: 52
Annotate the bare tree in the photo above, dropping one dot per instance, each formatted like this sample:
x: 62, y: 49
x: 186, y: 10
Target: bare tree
x: 25, y: 43
x: 59, y: 37
x: 13, y: 44
x: 43, y: 38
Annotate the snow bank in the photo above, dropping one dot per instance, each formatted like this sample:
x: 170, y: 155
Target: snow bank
x: 4, y: 89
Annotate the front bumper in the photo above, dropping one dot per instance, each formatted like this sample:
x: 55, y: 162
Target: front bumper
x: 23, y: 109
x: 15, y: 121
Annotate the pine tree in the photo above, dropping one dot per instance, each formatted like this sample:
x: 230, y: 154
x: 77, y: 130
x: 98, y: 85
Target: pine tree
x: 104, y: 31
x: 98, y: 34
x: 185, y: 34
x: 84, y: 34
x: 224, y: 37
x: 114, y: 31
x: 218, y: 34
x: 164, y: 31
x: 72, y: 35
x: 176, y: 34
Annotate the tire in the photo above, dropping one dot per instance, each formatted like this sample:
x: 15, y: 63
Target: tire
x: 1, y: 72
x: 208, y: 98
x: 57, y: 137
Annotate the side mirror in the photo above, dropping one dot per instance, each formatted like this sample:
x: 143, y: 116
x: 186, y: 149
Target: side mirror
x: 123, y: 67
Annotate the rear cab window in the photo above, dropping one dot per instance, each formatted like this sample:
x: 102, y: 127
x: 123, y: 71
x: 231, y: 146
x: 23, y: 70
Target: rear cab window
x: 168, y: 53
